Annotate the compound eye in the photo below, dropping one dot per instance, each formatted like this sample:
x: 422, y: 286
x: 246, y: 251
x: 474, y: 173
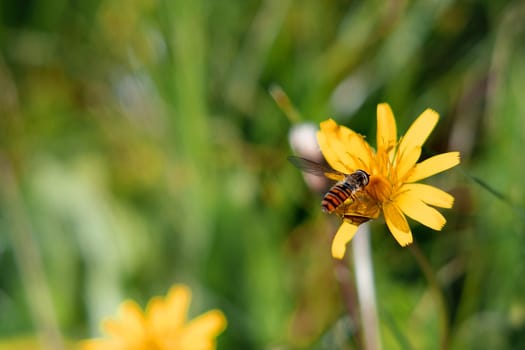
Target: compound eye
x: 366, y: 178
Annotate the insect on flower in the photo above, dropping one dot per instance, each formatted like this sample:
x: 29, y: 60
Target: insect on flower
x: 347, y: 186
x: 388, y: 182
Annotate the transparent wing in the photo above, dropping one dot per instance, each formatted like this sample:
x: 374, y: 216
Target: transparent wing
x: 311, y: 167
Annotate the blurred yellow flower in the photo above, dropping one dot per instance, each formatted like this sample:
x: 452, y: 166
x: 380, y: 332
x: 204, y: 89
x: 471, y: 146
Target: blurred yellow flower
x: 163, y: 326
x: 393, y: 171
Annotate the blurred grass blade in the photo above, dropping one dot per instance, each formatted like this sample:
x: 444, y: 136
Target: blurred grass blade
x: 396, y: 332
x: 29, y: 260
x: 285, y: 104
x: 499, y: 195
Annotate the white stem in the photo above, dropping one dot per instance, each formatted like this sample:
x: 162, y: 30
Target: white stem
x: 364, y: 275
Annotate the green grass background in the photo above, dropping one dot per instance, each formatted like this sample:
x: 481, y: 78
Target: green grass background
x: 140, y: 147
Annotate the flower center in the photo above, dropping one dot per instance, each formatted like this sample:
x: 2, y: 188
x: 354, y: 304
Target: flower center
x: 379, y: 188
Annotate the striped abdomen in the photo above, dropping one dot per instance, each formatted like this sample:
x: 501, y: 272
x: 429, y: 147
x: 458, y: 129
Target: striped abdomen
x: 341, y: 191
x: 337, y: 195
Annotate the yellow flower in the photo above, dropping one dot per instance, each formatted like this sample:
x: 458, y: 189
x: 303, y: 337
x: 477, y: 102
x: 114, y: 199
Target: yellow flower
x: 162, y: 327
x: 393, y: 171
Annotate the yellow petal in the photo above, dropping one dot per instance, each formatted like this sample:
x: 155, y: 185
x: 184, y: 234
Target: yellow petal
x: 433, y: 165
x: 100, y: 344
x: 419, y: 211
x: 332, y: 149
x: 397, y: 224
x: 176, y: 305
x: 131, y: 321
x: 157, y: 319
x: 360, y: 151
x: 407, y: 162
x: 386, y: 128
x: 342, y: 148
x: 419, y: 131
x: 430, y: 195
x: 207, y: 325
x: 200, y: 333
x: 344, y: 234
x: 129, y: 328
x: 334, y: 155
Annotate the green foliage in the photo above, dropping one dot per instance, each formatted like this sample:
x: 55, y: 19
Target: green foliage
x: 139, y: 147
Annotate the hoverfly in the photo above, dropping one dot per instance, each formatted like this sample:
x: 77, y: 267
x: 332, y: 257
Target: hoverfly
x: 346, y: 187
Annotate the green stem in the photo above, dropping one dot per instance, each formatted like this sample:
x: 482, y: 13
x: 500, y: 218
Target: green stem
x: 436, y: 289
